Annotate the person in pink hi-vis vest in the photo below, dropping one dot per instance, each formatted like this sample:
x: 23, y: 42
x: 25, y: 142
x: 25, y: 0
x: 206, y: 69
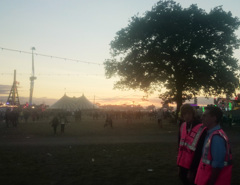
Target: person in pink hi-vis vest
x: 190, y: 143
x: 215, y: 167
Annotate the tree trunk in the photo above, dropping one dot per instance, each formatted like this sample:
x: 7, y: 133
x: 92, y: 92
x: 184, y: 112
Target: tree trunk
x: 178, y: 101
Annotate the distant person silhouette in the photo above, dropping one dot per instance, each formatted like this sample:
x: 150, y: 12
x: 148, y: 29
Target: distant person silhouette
x: 55, y: 123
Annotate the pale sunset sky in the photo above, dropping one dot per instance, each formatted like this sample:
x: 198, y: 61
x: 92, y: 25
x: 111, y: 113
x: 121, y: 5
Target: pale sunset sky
x: 72, y: 29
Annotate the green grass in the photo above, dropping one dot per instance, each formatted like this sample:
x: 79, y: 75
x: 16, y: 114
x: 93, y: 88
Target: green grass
x: 96, y: 163
x: 89, y: 164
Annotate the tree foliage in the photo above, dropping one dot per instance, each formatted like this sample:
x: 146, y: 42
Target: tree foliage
x: 187, y: 51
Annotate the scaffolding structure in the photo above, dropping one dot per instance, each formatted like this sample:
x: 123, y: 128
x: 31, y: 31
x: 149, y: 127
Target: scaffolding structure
x: 13, y: 98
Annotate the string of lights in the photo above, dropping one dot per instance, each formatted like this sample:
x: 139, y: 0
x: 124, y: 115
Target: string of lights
x: 55, y: 74
x: 51, y: 56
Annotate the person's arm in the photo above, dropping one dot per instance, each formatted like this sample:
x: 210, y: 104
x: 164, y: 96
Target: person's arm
x: 218, y: 152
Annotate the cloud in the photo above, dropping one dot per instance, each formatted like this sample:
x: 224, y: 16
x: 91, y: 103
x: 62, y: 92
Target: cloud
x: 37, y: 101
x: 5, y: 89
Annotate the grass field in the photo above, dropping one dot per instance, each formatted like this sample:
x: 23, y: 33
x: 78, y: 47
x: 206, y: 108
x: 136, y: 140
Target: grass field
x: 137, y: 153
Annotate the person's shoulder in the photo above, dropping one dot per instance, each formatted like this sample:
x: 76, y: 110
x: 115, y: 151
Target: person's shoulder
x: 216, y: 138
x: 181, y: 123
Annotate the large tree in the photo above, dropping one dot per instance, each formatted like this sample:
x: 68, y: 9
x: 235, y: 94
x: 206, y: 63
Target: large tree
x: 186, y: 51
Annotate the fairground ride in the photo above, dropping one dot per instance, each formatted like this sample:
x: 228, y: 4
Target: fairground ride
x: 32, y: 78
x: 13, y: 98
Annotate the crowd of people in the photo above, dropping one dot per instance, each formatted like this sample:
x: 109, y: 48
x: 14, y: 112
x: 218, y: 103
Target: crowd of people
x: 13, y: 115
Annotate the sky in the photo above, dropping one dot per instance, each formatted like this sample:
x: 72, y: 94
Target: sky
x: 73, y: 29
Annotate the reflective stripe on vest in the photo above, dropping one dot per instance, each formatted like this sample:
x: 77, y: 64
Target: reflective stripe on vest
x: 195, y: 140
x: 226, y: 163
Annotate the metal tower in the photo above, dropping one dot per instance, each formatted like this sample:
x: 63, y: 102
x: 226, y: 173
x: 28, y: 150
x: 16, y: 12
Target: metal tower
x: 32, y: 78
x: 13, y: 98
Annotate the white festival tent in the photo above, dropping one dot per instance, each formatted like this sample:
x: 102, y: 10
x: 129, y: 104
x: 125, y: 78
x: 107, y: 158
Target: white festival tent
x: 73, y: 104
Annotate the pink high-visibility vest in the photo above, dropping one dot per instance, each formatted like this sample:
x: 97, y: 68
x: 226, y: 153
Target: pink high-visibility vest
x: 205, y: 169
x: 188, y: 143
